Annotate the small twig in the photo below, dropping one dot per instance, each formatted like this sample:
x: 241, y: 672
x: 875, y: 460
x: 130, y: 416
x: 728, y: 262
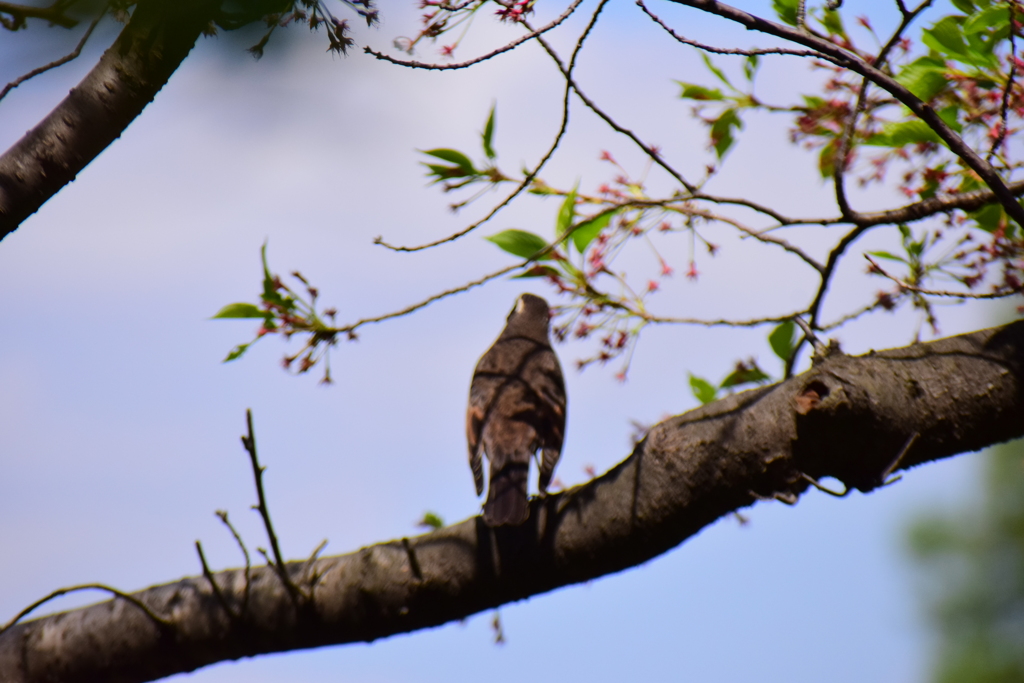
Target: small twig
x: 414, y: 565
x: 896, y: 463
x: 819, y: 348
x: 850, y: 316
x: 614, y: 125
x: 249, y: 442
x: 476, y: 60
x: 824, y: 489
x: 213, y: 583
x: 1005, y: 105
x: 762, y: 236
x: 787, y: 498
x: 245, y: 551
x: 57, y: 62
x: 162, y: 622
x: 306, y: 579
x: 932, y: 292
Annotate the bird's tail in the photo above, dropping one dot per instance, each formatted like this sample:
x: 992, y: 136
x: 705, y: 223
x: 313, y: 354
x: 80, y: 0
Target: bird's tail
x: 507, y: 502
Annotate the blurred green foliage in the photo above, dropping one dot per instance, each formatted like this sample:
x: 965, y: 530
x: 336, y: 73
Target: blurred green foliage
x: 971, y: 565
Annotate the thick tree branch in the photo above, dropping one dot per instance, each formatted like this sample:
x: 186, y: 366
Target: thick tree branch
x: 848, y: 418
x: 158, y: 37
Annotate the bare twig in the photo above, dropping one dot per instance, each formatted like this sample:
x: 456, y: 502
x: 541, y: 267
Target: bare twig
x: 223, y: 515
x: 476, y: 60
x: 897, y: 461
x: 614, y: 125
x: 58, y: 62
x: 249, y: 442
x: 306, y: 578
x: 850, y: 316
x: 213, y: 583
x: 161, y: 621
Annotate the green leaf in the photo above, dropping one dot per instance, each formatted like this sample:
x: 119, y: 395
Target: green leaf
x: 750, y: 65
x: 786, y: 10
x: 537, y: 271
x: 703, y: 390
x: 519, y: 243
x: 833, y: 23
x: 586, y: 231
x: 745, y: 374
x: 431, y: 520
x: 488, y: 135
x: 715, y: 70
x: 270, y: 293
x: 989, y: 217
x: 965, y: 6
x: 783, y: 340
x: 691, y: 91
x: 948, y: 35
x: 887, y: 255
x: 904, y: 133
x: 455, y: 157
x: 566, y: 212
x: 236, y: 352
x: 722, y: 131
x: 924, y: 77
x: 997, y: 15
x: 241, y: 311
x: 446, y: 172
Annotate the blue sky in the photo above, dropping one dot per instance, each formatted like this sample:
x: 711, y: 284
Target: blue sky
x: 120, y: 425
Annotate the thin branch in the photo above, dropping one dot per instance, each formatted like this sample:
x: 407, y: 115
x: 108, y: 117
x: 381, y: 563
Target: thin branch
x: 476, y: 60
x: 762, y: 236
x: 1005, y: 105
x: 933, y: 292
x: 436, y: 297
x: 724, y: 51
x: 223, y: 515
x: 213, y: 583
x: 648, y: 150
x: 850, y: 61
x: 850, y: 128
x: 162, y: 622
x: 563, y: 127
x: 249, y: 442
x: 309, y: 564
x: 54, y: 64
x: 849, y: 316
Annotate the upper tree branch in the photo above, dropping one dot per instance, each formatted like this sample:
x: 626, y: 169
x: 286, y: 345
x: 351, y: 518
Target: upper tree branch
x: 854, y: 63
x: 849, y: 418
x: 158, y: 37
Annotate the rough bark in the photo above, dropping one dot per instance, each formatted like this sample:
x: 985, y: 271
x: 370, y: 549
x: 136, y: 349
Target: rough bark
x: 849, y: 418
x: 155, y: 41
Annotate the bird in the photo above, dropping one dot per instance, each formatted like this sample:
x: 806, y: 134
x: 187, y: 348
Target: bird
x: 517, y: 405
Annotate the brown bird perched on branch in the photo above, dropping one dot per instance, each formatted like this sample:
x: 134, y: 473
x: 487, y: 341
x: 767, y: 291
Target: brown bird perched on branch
x: 516, y: 406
